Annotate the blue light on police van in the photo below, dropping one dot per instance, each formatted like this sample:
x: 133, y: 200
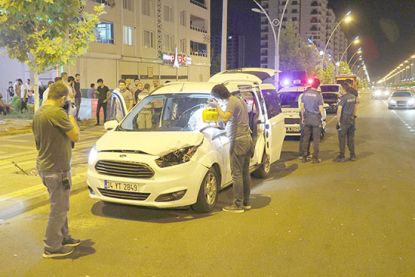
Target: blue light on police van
x: 286, y: 82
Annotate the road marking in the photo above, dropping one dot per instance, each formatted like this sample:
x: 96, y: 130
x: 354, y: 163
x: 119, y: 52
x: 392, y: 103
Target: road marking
x: 411, y: 130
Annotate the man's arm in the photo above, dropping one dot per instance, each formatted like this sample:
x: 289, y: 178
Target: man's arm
x: 339, y: 113
x: 73, y: 134
x: 302, y: 110
x: 225, y: 116
x: 109, y: 94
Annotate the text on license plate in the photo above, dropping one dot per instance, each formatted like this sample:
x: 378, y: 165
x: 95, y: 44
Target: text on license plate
x: 121, y: 186
x: 293, y: 129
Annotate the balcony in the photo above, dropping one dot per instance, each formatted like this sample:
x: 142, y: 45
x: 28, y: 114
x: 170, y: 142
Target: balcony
x: 198, y: 24
x: 200, y: 3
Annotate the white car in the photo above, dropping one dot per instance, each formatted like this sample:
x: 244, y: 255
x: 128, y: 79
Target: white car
x: 402, y: 99
x: 163, y: 155
x: 290, y: 98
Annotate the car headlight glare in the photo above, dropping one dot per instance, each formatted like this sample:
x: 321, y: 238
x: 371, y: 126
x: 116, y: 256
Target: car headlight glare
x: 93, y: 156
x: 393, y: 102
x: 411, y: 101
x: 179, y: 156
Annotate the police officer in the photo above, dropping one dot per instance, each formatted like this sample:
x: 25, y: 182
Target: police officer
x: 311, y: 114
x: 346, y: 118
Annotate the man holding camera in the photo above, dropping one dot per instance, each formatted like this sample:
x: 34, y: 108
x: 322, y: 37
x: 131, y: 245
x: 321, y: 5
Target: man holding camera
x: 55, y: 130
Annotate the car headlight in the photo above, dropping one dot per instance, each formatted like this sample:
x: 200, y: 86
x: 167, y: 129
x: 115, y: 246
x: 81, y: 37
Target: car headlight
x: 179, y: 156
x: 411, y: 101
x: 377, y: 93
x: 393, y: 102
x: 93, y: 156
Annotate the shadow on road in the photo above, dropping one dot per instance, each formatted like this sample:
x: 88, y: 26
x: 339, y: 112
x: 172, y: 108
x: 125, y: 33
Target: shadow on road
x: 145, y: 214
x: 84, y: 249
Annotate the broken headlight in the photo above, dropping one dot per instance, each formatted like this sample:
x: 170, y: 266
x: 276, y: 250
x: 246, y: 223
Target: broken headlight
x: 179, y: 156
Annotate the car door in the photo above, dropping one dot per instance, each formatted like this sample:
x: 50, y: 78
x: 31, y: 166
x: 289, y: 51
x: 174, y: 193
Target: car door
x: 275, y: 124
x: 117, y: 108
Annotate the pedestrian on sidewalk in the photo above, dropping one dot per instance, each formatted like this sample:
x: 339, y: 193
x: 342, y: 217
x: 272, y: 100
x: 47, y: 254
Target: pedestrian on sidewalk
x: 18, y: 87
x: 78, y: 95
x: 55, y: 129
x: 126, y: 94
x: 139, y: 86
x: 346, y: 122
x: 311, y: 114
x: 104, y: 94
x: 92, y: 93
x: 10, y: 90
x: 241, y: 145
x: 24, y: 97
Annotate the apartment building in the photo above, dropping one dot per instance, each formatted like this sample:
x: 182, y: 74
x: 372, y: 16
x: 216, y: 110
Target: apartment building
x: 140, y: 38
x: 313, y: 20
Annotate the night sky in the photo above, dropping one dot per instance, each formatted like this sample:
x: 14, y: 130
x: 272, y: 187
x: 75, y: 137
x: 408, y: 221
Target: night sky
x: 387, y: 28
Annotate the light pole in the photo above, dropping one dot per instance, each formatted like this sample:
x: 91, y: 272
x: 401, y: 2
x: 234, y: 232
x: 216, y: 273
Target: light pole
x: 355, y: 41
x: 359, y: 51
x: 224, y: 35
x: 273, y: 23
x: 347, y: 18
x: 359, y: 59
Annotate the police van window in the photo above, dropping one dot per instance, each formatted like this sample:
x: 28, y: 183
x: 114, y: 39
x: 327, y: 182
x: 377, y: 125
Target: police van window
x: 272, y: 102
x: 289, y: 99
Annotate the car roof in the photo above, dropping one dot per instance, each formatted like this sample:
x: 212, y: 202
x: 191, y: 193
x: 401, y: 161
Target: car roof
x: 251, y: 74
x: 200, y: 87
x: 292, y: 89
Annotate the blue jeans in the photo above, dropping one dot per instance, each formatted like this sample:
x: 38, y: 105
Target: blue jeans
x: 57, y: 228
x: 240, y: 157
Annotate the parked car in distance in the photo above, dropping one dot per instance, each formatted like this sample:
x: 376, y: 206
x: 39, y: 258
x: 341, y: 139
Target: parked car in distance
x: 401, y: 99
x: 331, y: 95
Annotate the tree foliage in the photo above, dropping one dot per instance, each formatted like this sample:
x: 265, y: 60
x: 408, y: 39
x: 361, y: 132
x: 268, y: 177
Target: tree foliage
x: 326, y: 75
x: 344, y: 68
x: 46, y: 33
x: 295, y: 53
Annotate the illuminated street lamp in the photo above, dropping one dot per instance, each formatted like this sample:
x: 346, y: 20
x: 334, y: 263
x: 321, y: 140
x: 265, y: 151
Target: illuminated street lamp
x: 358, y: 52
x: 274, y: 23
x: 346, y: 19
x: 355, y: 41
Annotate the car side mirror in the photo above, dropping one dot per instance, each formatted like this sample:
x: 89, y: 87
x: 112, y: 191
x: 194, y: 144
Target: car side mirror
x: 110, y: 125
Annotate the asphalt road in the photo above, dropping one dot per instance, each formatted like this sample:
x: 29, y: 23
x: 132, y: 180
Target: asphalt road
x: 328, y: 219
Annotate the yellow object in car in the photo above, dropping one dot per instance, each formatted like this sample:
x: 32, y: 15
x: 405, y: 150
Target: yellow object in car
x: 210, y: 114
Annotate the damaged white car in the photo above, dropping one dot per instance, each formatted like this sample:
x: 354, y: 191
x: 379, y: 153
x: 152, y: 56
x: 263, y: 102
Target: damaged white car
x: 163, y: 155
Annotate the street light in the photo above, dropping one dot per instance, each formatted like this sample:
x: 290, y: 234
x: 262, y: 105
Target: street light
x: 275, y: 22
x: 358, y: 52
x: 355, y: 41
x: 346, y: 19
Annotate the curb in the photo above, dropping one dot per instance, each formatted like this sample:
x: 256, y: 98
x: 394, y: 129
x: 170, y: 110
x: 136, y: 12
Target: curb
x: 18, y: 202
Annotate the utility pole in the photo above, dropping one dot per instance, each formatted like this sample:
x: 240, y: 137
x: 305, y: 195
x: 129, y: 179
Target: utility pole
x: 224, y: 35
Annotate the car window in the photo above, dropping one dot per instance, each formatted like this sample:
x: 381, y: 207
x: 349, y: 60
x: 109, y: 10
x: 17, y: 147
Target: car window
x: 115, y: 109
x: 272, y: 102
x: 289, y: 99
x: 168, y: 112
x: 402, y: 94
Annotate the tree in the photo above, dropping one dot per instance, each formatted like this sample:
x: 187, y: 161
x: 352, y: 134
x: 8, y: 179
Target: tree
x: 45, y: 34
x: 295, y: 54
x: 344, y: 68
x: 326, y: 74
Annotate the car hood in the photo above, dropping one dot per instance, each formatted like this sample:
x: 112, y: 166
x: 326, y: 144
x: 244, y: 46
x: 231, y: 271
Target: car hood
x: 401, y: 98
x: 152, y: 143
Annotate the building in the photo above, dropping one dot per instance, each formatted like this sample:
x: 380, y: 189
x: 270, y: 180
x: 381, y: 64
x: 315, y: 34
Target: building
x: 313, y: 20
x: 139, y: 38
x: 235, y: 54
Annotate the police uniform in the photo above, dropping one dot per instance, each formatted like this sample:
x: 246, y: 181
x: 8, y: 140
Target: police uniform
x: 312, y: 100
x: 346, y: 130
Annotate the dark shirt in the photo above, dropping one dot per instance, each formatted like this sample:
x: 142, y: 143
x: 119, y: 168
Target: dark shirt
x: 102, y: 93
x: 348, y: 104
x: 312, y: 100
x: 50, y: 123
x: 77, y: 87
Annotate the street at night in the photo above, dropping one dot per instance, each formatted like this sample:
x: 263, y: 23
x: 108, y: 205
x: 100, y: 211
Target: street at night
x: 331, y: 219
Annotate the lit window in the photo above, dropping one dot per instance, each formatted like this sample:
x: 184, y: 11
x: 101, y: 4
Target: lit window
x: 128, y: 35
x: 105, y: 33
x: 148, y: 39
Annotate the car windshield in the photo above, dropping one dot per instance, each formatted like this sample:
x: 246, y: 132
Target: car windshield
x: 330, y: 96
x: 167, y: 112
x: 289, y: 99
x: 402, y: 94
x: 329, y: 88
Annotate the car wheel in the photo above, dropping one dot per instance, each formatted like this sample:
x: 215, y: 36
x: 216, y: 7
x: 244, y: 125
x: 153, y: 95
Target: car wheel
x: 264, y: 169
x: 208, y: 192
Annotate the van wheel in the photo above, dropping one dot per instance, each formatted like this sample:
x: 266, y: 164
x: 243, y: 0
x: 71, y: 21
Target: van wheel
x: 208, y: 193
x: 264, y: 169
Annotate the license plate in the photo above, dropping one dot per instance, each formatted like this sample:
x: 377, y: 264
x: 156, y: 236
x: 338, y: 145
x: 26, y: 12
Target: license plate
x: 293, y: 129
x: 121, y: 186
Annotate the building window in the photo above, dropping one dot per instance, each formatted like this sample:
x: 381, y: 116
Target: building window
x: 148, y: 7
x: 168, y: 14
x: 314, y: 11
x: 314, y: 28
x: 128, y: 35
x: 169, y: 44
x: 294, y: 11
x: 294, y: 19
x: 183, y: 18
x: 294, y: 3
x: 200, y: 3
x: 128, y: 5
x: 105, y: 33
x: 110, y: 3
x: 198, y: 49
x: 314, y: 20
x: 148, y: 39
x: 183, y: 44
x: 314, y: 4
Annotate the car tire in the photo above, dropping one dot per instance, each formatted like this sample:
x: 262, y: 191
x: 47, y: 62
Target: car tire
x: 263, y: 170
x: 208, y: 193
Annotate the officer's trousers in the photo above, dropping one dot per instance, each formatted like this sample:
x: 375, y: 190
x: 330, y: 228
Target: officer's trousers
x: 346, y: 135
x: 312, y: 123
